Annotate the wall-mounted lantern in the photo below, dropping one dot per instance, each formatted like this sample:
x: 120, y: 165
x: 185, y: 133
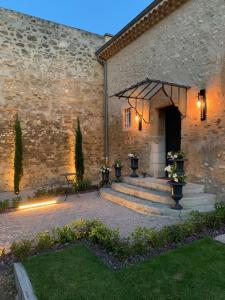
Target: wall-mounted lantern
x: 139, y: 121
x: 202, y: 104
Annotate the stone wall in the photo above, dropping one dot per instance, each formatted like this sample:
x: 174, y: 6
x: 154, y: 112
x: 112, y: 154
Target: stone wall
x: 49, y: 75
x: 187, y: 47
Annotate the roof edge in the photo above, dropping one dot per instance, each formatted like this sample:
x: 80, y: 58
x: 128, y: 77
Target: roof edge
x: 150, y: 16
x: 131, y: 23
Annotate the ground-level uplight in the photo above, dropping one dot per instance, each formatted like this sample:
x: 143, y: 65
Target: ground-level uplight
x: 38, y: 204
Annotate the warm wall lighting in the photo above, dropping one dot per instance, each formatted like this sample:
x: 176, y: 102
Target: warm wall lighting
x: 199, y: 104
x: 139, y: 121
x: 202, y: 105
x: 40, y: 204
x: 137, y: 117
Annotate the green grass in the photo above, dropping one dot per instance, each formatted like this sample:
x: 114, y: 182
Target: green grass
x: 195, y: 271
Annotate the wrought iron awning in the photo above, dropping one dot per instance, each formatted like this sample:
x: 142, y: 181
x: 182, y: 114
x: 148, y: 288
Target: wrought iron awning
x: 148, y: 89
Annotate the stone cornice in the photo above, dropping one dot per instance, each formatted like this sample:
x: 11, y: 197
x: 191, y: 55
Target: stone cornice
x: 152, y: 15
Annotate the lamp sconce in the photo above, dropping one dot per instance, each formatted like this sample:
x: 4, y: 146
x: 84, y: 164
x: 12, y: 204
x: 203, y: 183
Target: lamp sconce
x: 202, y: 104
x: 139, y: 121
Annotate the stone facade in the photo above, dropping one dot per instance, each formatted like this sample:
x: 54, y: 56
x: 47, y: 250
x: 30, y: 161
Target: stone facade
x: 187, y: 47
x: 49, y: 76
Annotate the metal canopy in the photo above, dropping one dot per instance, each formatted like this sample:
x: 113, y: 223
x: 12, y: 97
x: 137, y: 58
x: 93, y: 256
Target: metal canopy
x: 148, y: 89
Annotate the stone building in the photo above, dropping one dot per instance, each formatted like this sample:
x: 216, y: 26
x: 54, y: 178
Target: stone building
x: 50, y: 74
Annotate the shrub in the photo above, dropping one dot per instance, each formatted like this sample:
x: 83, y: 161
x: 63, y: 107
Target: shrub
x: 220, y: 212
x: 122, y: 249
x: 79, y: 157
x: 16, y: 202
x: 175, y: 233
x: 63, y: 235
x: 197, y: 220
x: 80, y: 229
x: 18, y: 158
x: 43, y: 241
x: 104, y: 236
x: 4, y: 205
x: 46, y: 192
x: 82, y: 185
x: 140, y: 239
x: 22, y: 249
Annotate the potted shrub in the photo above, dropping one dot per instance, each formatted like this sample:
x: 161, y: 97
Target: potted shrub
x: 105, y: 171
x: 177, y: 182
x: 118, y: 168
x: 133, y: 164
x: 178, y: 158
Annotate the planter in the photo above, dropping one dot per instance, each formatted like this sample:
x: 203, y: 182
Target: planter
x: 105, y: 179
x: 177, y: 193
x: 118, y: 172
x: 179, y: 165
x: 134, y: 166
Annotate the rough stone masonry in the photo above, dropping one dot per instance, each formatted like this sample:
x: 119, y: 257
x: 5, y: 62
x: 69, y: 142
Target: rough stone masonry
x: 187, y: 47
x: 49, y: 75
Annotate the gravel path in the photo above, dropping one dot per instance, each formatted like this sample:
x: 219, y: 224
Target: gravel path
x: 24, y: 224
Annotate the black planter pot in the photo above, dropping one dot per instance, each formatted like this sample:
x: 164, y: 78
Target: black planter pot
x: 118, y: 172
x: 105, y: 179
x: 177, y: 194
x: 134, y: 166
x: 180, y: 166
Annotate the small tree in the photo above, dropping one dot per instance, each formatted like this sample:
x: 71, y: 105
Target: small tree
x: 79, y: 157
x: 18, y: 158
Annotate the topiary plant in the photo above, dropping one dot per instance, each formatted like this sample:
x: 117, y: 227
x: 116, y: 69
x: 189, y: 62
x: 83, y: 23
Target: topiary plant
x: 18, y: 158
x: 79, y: 158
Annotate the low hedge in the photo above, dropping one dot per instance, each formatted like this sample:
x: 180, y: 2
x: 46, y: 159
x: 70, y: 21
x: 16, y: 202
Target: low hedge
x: 140, y: 241
x: 9, y: 203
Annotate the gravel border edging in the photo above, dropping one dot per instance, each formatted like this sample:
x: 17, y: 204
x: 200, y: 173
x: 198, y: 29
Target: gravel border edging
x: 23, y: 284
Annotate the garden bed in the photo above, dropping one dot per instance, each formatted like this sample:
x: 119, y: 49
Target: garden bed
x: 114, y: 251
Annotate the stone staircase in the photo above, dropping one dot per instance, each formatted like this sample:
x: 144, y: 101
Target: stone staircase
x: 152, y: 196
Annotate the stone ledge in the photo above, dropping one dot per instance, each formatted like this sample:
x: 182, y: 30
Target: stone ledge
x: 220, y: 238
x: 23, y: 284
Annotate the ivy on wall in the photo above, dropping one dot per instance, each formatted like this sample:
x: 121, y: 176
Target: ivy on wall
x: 79, y: 157
x: 18, y: 158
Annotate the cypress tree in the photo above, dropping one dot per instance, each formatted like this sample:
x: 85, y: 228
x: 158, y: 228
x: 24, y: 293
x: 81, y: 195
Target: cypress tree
x: 79, y: 158
x: 18, y: 158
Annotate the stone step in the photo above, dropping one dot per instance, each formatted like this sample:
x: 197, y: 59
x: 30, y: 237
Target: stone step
x: 147, y: 207
x: 201, y: 208
x: 202, y: 199
x: 138, y: 205
x: 189, y: 202
x: 162, y: 185
x: 143, y: 193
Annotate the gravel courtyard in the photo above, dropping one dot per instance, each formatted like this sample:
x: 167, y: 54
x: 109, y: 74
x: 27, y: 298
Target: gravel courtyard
x: 24, y: 224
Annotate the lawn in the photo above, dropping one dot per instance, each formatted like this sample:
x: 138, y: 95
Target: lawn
x: 194, y: 271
